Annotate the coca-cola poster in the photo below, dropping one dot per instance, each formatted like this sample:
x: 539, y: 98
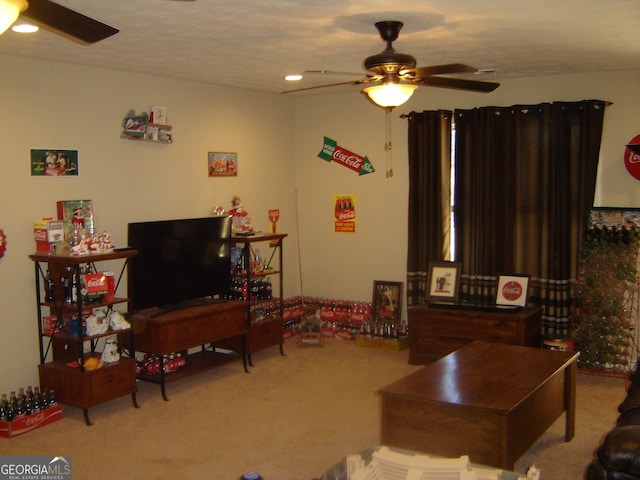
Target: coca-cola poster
x: 332, y: 151
x: 49, y: 162
x: 344, y: 212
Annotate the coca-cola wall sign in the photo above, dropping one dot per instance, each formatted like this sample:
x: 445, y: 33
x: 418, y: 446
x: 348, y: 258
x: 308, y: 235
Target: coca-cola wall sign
x: 632, y: 157
x: 3, y: 243
x: 344, y: 213
x: 331, y: 151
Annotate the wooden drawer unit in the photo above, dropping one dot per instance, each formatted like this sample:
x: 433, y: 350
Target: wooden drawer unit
x: 86, y: 389
x: 188, y: 327
x: 435, y: 332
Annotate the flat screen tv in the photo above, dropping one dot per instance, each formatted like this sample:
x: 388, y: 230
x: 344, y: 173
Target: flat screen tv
x: 179, y: 262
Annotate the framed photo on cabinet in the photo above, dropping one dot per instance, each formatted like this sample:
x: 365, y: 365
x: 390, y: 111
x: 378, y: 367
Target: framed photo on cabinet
x: 443, y: 281
x: 512, y: 290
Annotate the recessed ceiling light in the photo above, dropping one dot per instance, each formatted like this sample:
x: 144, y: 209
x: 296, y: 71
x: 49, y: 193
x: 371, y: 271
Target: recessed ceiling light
x: 24, y: 28
x: 486, y: 71
x: 293, y: 77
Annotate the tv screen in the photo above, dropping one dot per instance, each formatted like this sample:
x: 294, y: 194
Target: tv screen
x: 178, y: 262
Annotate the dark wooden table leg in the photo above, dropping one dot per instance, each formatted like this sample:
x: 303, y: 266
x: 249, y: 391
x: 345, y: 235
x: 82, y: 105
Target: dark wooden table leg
x: 570, y: 400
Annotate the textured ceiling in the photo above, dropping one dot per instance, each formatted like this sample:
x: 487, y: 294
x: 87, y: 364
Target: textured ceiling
x: 254, y: 43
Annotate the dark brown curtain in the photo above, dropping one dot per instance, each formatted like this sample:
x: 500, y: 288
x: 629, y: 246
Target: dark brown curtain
x: 429, y: 143
x: 525, y: 178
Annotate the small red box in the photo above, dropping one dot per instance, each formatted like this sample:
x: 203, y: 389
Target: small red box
x: 25, y: 424
x: 48, y: 323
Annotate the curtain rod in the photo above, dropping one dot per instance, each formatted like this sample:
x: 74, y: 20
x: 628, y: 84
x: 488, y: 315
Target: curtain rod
x: 606, y: 104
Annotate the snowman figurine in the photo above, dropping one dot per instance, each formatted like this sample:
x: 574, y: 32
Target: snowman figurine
x: 110, y: 354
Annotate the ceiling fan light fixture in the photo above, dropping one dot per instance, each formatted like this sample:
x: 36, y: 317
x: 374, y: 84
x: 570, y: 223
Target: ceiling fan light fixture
x: 390, y: 94
x: 9, y: 12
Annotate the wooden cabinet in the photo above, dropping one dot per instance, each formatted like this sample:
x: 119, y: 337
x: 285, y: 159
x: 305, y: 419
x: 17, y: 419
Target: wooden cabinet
x: 263, y: 331
x: 64, y: 346
x: 211, y: 327
x: 435, y: 331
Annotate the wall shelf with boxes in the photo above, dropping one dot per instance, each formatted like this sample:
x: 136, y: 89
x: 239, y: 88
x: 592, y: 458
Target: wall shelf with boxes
x: 153, y: 132
x: 149, y: 128
x: 71, y: 363
x: 250, y: 281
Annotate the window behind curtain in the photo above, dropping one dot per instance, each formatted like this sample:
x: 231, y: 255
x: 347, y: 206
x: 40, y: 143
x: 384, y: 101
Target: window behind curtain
x: 524, y: 178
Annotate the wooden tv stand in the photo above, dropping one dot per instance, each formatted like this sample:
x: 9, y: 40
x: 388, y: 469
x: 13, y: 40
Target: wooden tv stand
x: 208, y: 326
x: 435, y: 331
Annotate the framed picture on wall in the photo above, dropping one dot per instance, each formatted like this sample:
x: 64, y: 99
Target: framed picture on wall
x: 443, y: 281
x: 222, y: 164
x: 387, y: 300
x: 512, y: 290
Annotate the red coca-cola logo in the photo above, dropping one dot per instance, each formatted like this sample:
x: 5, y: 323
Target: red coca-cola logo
x: 632, y: 159
x: 95, y: 283
x: 347, y: 158
x: 512, y: 290
x: 31, y: 420
x: 347, y: 215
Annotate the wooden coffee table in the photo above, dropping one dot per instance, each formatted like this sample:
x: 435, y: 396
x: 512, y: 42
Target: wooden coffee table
x: 486, y: 400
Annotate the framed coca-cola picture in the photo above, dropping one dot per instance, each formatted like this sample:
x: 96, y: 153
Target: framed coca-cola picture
x: 512, y: 290
x: 387, y: 300
x: 222, y: 164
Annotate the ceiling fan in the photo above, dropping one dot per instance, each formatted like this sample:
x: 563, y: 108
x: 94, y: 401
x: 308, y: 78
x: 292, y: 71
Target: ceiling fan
x: 394, y: 76
x: 57, y: 18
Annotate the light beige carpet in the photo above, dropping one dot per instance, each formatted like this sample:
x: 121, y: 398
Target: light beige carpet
x: 291, y: 418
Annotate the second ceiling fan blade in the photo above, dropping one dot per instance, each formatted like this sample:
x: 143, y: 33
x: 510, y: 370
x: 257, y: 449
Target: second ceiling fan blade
x: 458, y: 84
x: 440, y: 69
x: 68, y: 22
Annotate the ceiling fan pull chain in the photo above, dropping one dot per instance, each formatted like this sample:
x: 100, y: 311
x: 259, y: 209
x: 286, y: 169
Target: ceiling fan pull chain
x: 387, y: 144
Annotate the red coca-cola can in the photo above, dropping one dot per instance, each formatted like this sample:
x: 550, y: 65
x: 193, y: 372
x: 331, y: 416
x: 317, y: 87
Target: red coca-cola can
x: 111, y: 285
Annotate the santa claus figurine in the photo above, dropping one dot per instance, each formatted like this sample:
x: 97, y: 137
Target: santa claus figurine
x: 241, y: 222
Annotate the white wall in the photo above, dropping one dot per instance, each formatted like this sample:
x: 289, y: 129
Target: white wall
x: 54, y: 105
x: 341, y: 265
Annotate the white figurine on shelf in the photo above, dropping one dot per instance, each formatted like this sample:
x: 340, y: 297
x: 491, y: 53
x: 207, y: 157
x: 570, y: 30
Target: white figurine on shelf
x: 105, y: 243
x: 97, y: 323
x: 241, y: 221
x: 94, y: 244
x: 117, y: 321
x: 110, y: 353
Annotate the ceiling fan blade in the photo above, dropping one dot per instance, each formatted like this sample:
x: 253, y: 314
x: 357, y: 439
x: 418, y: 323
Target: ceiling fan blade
x: 68, y: 22
x: 439, y: 70
x: 457, y: 84
x: 332, y: 72
x: 357, y: 82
